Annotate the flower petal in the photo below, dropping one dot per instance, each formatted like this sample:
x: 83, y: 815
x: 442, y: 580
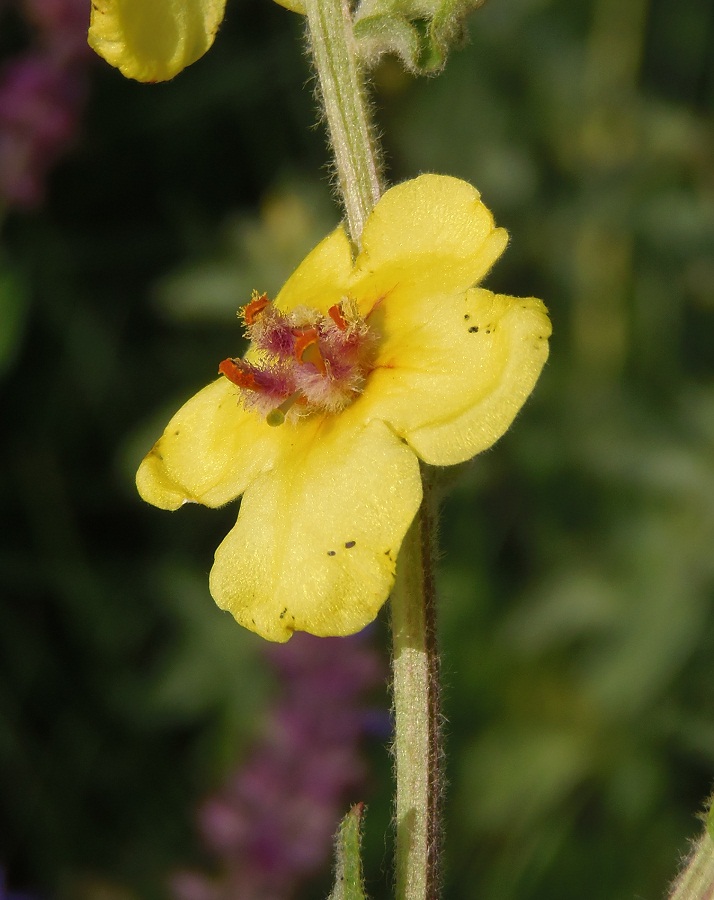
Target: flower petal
x: 296, y: 6
x: 452, y: 373
x: 209, y: 453
x: 322, y: 278
x: 431, y: 234
x: 317, y: 537
x: 153, y: 40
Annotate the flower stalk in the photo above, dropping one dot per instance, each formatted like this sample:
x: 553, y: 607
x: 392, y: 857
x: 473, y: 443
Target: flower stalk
x: 415, y: 659
x: 417, y: 744
x: 334, y: 53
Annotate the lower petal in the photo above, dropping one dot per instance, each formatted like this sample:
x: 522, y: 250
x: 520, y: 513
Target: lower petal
x: 316, y: 541
x: 209, y: 453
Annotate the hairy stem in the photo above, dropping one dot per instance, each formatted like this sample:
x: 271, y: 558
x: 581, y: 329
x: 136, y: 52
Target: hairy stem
x: 696, y: 881
x: 417, y: 745
x: 416, y: 663
x: 343, y: 96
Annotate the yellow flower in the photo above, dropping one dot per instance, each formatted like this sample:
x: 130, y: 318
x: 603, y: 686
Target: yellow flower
x: 360, y: 368
x: 153, y: 40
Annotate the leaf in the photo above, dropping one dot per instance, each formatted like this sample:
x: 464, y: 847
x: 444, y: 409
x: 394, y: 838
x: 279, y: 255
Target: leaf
x: 419, y: 32
x: 348, y: 863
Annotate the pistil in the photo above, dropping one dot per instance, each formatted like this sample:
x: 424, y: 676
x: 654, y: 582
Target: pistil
x: 277, y: 416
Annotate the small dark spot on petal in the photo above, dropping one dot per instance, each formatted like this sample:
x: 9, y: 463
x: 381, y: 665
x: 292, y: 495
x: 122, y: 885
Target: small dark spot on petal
x: 331, y: 552
x: 473, y: 329
x: 177, y: 432
x: 282, y: 614
x: 467, y: 316
x: 350, y: 544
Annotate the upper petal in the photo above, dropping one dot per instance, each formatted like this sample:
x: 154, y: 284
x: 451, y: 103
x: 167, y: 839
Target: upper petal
x: 209, y: 453
x: 453, y: 372
x: 153, y: 40
x: 431, y: 234
x: 322, y: 278
x: 317, y: 537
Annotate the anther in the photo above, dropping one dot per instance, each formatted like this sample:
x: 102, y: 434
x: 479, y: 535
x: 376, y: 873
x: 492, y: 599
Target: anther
x: 236, y: 374
x: 252, y: 310
x: 335, y: 313
x: 307, y: 349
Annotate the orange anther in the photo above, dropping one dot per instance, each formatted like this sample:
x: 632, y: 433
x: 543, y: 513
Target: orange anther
x: 252, y: 310
x: 335, y: 313
x: 307, y: 349
x: 237, y: 375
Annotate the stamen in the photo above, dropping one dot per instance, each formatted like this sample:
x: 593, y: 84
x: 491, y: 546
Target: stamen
x: 307, y: 349
x: 335, y: 313
x: 315, y: 361
x: 234, y: 372
x: 277, y: 416
x: 252, y: 310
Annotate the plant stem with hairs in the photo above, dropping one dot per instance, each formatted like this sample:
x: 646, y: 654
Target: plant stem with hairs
x: 415, y: 660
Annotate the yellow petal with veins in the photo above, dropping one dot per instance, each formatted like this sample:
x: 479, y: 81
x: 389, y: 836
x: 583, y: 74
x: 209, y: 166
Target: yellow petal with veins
x: 316, y: 541
x: 431, y: 234
x: 322, y: 278
x: 153, y: 40
x: 209, y: 452
x: 453, y: 370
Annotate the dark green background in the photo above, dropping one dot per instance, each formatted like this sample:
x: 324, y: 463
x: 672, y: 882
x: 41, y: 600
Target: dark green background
x: 576, y: 582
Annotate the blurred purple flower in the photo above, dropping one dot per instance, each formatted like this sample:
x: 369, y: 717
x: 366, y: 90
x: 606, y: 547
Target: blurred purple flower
x: 61, y: 27
x: 42, y: 96
x: 271, y: 826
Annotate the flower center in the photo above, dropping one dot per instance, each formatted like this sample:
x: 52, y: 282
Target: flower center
x: 301, y: 362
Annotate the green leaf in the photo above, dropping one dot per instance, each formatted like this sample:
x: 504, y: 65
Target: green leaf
x: 419, y: 32
x: 348, y: 864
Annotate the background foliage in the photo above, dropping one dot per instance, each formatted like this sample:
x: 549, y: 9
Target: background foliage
x: 576, y: 582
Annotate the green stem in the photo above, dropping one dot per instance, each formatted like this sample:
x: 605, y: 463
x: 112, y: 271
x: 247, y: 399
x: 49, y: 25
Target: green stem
x: 416, y: 663
x: 417, y: 746
x: 334, y: 52
x: 696, y: 881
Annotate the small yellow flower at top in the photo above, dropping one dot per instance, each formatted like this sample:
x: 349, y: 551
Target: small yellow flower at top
x: 356, y: 371
x: 153, y: 40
